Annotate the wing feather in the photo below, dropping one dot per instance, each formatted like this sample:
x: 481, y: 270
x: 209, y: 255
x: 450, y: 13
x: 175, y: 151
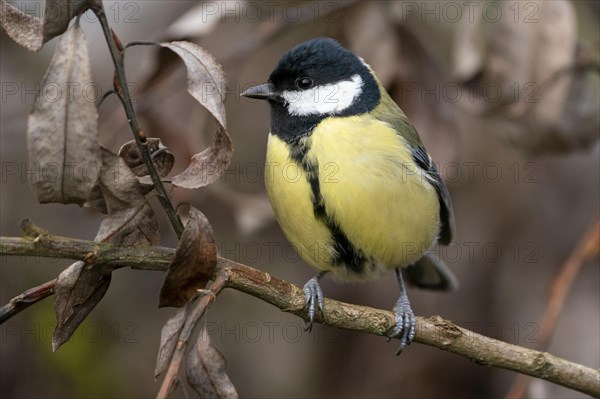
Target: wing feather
x: 424, y: 161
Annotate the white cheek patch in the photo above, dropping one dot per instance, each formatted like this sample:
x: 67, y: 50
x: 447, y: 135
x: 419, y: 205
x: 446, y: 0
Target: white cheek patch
x: 324, y: 99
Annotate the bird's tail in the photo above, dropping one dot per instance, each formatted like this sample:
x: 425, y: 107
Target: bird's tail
x: 430, y: 273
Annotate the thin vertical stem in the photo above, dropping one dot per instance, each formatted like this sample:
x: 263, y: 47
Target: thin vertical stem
x: 120, y: 83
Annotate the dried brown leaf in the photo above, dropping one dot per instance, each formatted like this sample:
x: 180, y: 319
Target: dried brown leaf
x: 194, y: 262
x: 207, y: 166
x: 163, y: 162
x: 96, y: 200
x: 116, y: 184
x: 205, y: 369
x: 135, y: 225
x: 130, y: 219
x: 169, y: 336
x: 197, y: 22
x: 116, y: 187
x: 58, y: 13
x: 206, y: 79
x: 78, y: 290
x: 119, y: 184
x: 25, y: 30
x: 206, y: 83
x: 62, y: 127
x: 118, y: 193
x: 32, y: 32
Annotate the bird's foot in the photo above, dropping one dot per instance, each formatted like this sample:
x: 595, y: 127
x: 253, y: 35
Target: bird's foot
x: 314, y: 298
x: 405, y: 323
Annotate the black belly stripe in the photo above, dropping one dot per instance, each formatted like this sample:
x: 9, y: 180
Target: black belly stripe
x: 346, y: 253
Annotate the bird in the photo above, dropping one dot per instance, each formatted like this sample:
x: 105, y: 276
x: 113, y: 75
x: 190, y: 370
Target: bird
x: 350, y: 182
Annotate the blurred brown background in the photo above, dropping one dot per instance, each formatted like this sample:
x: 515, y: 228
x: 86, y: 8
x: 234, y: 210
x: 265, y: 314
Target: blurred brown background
x: 505, y: 96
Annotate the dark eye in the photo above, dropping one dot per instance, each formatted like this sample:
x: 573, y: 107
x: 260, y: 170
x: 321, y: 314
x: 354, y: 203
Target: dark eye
x: 304, y: 83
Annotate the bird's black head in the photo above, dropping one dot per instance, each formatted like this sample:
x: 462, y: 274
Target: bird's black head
x: 315, y: 80
x: 322, y: 61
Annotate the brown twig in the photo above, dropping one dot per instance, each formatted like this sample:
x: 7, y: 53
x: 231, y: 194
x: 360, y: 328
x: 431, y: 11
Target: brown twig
x: 433, y: 331
x: 586, y: 249
x: 26, y: 299
x: 172, y: 376
x: 122, y: 91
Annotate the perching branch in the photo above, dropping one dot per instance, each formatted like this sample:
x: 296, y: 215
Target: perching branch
x: 433, y: 331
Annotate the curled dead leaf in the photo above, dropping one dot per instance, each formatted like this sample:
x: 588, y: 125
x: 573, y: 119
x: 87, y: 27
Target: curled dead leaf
x: 206, y: 83
x: 195, y: 259
x: 207, y: 166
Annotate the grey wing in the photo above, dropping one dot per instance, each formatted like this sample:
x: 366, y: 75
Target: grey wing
x: 423, y: 160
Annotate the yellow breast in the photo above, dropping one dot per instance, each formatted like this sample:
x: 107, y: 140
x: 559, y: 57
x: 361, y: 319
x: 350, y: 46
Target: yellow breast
x: 290, y: 194
x: 370, y: 187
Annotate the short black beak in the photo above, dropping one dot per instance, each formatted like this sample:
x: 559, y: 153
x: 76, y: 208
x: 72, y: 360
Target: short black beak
x: 262, y: 92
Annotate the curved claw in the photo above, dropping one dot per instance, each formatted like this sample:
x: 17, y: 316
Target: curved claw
x: 405, y: 323
x: 314, y: 297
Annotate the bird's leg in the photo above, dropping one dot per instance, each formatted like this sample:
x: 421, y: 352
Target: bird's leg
x: 405, y: 318
x: 314, y: 295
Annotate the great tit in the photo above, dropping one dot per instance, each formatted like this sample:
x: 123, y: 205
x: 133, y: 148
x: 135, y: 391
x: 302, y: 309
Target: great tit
x: 351, y: 184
